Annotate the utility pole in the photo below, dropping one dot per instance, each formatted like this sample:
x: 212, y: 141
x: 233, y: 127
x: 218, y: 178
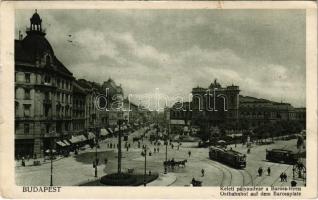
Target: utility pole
x: 51, y: 181
x: 96, y: 163
x: 119, y: 147
x: 145, y: 171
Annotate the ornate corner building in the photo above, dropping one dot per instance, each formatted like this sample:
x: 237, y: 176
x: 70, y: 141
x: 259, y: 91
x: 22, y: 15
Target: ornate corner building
x: 43, y: 92
x: 51, y: 106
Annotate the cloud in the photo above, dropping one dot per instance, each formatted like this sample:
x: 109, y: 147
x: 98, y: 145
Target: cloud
x: 261, y: 51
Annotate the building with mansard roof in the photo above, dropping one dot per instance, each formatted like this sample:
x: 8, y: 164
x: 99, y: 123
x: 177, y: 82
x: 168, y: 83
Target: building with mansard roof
x: 43, y: 93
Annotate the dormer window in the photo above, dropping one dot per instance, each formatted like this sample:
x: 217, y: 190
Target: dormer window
x: 47, y: 60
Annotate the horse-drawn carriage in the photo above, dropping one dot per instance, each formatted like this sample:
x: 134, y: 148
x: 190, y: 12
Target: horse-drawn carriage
x: 172, y: 163
x: 196, y: 183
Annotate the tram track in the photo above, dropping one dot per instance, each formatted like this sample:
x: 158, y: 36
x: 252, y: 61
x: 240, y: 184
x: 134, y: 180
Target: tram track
x: 221, y: 168
x: 279, y: 177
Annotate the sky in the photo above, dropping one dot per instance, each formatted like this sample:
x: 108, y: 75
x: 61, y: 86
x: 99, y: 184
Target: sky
x: 261, y: 51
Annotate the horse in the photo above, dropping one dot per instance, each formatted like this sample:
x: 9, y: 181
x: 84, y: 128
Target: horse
x: 181, y: 163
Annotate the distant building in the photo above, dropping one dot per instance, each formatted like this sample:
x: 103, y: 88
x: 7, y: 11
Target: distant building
x: 257, y: 112
x: 218, y: 106
x: 115, y: 96
x: 43, y: 93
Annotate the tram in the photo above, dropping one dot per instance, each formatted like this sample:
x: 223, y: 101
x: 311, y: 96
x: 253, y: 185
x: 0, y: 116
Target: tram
x: 229, y: 157
x: 281, y: 156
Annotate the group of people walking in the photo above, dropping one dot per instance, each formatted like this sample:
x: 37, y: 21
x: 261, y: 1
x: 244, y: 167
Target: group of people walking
x: 260, y: 171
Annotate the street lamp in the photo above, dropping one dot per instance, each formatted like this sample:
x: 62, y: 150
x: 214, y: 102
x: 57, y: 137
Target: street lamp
x: 96, y: 162
x: 51, y: 151
x: 120, y: 121
x: 51, y: 157
x: 145, y: 170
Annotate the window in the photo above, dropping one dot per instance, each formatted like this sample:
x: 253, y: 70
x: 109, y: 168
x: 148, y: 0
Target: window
x: 47, y: 79
x: 58, y: 82
x: 26, y: 128
x: 47, y: 96
x: 58, y: 110
x: 16, y: 108
x: 66, y: 126
x: 26, y: 110
x: 48, y: 60
x: 27, y: 77
x: 58, y: 96
x: 47, y: 127
x: 27, y: 94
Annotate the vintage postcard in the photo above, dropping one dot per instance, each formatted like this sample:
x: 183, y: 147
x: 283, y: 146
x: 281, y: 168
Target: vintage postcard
x: 158, y: 100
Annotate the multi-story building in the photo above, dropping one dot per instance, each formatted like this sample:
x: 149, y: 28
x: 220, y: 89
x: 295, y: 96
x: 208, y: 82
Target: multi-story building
x: 92, y: 90
x: 79, y: 105
x: 114, y: 95
x: 214, y: 105
x: 43, y: 93
x: 257, y: 112
x: 217, y: 106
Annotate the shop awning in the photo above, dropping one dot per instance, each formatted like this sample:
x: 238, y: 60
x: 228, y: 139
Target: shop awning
x: 60, y: 143
x: 74, y: 140
x: 90, y: 135
x: 103, y: 132
x: 82, y: 138
x: 66, y: 142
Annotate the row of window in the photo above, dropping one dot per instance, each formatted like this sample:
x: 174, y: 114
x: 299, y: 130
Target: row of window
x: 60, y: 83
x: 26, y: 128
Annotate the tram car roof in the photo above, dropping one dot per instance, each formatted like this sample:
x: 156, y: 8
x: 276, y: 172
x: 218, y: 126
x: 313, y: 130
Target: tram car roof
x: 280, y: 150
x: 217, y: 148
x: 235, y: 152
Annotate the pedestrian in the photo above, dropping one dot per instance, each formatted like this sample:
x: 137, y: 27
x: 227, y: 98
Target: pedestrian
x: 281, y: 177
x: 128, y: 145
x: 193, y: 181
x: 189, y: 153
x: 202, y: 172
x: 260, y: 171
x: 127, y: 148
x: 268, y: 171
x: 158, y: 149
x: 154, y: 150
x: 178, y: 147
x: 23, y: 162
x: 105, y: 160
x: 172, y: 146
x: 285, y: 177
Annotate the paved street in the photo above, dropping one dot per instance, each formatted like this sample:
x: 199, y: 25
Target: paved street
x: 75, y: 170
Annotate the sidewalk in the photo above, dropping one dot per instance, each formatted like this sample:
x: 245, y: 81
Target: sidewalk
x: 164, y: 180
